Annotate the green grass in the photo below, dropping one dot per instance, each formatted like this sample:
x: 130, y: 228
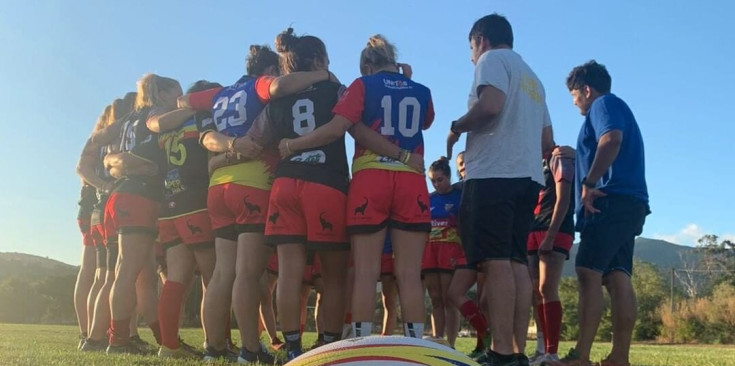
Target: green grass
x: 56, y: 345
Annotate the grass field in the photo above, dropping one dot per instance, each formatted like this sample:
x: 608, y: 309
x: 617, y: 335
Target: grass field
x: 56, y: 345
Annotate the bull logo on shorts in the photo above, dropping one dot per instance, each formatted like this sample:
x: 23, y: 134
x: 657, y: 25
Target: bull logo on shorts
x: 361, y: 209
x: 253, y: 208
x: 326, y: 225
x: 193, y: 228
x: 273, y: 218
x: 422, y: 205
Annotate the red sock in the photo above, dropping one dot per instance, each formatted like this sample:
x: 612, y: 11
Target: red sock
x: 542, y: 320
x: 169, y: 310
x: 472, y: 313
x: 348, y: 318
x: 119, y: 331
x: 552, y: 332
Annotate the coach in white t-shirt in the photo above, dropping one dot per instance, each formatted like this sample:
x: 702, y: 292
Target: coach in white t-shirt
x: 505, y: 122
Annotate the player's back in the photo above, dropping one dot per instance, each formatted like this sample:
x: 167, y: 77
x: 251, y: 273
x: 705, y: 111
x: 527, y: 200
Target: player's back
x: 299, y: 114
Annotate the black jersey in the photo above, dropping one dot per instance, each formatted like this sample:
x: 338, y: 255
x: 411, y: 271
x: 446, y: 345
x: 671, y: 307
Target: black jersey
x: 138, y: 140
x: 186, y: 178
x: 555, y: 169
x: 297, y: 115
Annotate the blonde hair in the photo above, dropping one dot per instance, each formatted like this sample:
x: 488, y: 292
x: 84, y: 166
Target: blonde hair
x: 102, y: 120
x: 149, y: 89
x: 377, y: 53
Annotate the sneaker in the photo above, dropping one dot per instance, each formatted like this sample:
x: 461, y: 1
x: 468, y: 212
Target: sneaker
x: 607, y: 362
x: 476, y: 353
x: 125, y: 348
x: 145, y: 347
x: 90, y: 345
x: 549, y: 359
x: 213, y: 355
x: 536, y: 359
x: 262, y: 357
x: 82, y: 338
x: 492, y: 359
x: 571, y: 359
x: 189, y: 348
x: 276, y: 344
x: 292, y: 354
x: 178, y: 353
x: 231, y: 346
x: 522, y: 359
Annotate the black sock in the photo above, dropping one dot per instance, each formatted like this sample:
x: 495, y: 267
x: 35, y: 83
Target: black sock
x: 331, y: 337
x: 293, y: 340
x: 503, y: 358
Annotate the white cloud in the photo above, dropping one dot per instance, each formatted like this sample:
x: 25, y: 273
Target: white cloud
x: 689, y: 235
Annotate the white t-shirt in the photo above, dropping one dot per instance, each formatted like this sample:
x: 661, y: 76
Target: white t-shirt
x: 510, y: 145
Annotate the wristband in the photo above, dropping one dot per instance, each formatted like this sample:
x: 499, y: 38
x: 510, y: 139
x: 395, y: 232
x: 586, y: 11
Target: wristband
x: 588, y: 184
x: 453, y: 129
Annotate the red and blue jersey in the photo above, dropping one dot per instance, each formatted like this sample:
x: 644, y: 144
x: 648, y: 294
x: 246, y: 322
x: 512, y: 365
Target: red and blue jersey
x: 392, y: 105
x: 234, y: 108
x: 444, y: 214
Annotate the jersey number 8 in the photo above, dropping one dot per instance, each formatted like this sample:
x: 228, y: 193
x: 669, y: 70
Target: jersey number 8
x: 406, y: 129
x: 303, y: 116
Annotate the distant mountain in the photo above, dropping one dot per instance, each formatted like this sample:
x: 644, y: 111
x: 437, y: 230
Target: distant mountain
x: 29, y: 266
x: 661, y: 253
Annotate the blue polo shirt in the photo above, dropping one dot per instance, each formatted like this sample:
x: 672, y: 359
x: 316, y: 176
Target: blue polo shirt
x: 626, y: 176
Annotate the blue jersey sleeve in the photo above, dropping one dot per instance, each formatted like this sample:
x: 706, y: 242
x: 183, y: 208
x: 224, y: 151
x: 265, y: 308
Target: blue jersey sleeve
x: 606, y: 114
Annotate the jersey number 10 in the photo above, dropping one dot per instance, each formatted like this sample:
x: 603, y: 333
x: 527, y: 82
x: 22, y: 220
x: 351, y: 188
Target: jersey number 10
x: 406, y: 129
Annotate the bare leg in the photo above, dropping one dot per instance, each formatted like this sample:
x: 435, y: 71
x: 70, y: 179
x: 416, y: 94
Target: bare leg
x: 85, y: 279
x: 590, y: 309
x: 451, y: 312
x: 524, y: 289
x: 434, y: 287
x: 408, y: 250
x: 217, y: 299
x: 390, y: 292
x: 624, y: 314
x: 252, y: 256
x: 334, y: 275
x: 500, y: 292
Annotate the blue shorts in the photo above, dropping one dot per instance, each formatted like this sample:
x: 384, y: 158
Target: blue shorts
x: 608, y: 237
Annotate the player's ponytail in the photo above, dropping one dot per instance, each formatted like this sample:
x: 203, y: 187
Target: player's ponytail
x: 261, y: 60
x: 441, y: 165
x: 150, y: 87
x: 378, y: 53
x: 299, y: 53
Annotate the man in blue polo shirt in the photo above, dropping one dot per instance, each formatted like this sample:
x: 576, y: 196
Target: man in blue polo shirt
x: 612, y: 204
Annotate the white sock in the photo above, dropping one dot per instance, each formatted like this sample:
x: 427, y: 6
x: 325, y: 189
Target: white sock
x: 361, y: 329
x: 413, y: 330
x: 540, y: 344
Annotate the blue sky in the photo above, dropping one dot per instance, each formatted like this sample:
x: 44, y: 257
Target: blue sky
x: 62, y: 62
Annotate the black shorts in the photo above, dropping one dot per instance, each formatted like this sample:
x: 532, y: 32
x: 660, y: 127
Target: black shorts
x: 101, y: 256
x: 608, y: 237
x: 112, y: 252
x: 495, y: 217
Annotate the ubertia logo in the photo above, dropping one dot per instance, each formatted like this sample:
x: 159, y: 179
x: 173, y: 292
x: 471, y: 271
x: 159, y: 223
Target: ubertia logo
x: 396, y: 84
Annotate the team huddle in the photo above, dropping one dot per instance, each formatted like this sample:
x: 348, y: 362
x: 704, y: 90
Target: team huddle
x: 248, y: 186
